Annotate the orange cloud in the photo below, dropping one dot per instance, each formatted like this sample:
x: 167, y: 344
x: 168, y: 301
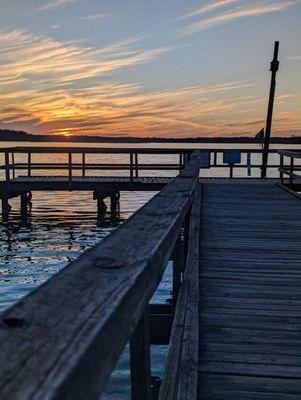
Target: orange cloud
x: 65, y: 88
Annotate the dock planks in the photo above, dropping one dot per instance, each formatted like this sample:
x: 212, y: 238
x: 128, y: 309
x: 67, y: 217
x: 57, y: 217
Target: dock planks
x: 250, y: 293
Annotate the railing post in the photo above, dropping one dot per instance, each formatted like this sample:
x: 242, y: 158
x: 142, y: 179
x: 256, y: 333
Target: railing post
x: 7, y: 174
x: 136, y: 165
x: 186, y: 235
x: 231, y: 170
x: 13, y: 164
x: 249, y: 163
x: 281, y: 167
x: 176, y: 273
x: 70, y: 169
x: 131, y: 167
x: 83, y: 165
x: 29, y: 164
x: 180, y: 162
x: 140, y: 360
x: 291, y: 172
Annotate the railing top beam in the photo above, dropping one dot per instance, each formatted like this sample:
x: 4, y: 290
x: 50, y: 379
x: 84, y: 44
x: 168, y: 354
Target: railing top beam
x: 63, y: 339
x: 289, y: 153
x: 120, y: 150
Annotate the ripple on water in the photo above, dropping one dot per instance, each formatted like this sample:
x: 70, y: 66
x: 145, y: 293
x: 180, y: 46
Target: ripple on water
x: 60, y: 228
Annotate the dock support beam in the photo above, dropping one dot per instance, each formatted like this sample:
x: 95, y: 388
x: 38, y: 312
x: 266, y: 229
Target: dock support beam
x: 5, y: 210
x: 102, y: 207
x: 115, y: 207
x: 101, y: 210
x: 140, y: 360
x: 24, y: 201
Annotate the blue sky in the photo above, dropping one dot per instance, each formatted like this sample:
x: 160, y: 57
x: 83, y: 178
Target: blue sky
x: 161, y: 68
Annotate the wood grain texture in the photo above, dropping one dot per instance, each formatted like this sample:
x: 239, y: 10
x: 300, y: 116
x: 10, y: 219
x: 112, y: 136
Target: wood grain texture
x: 250, y: 296
x: 181, y: 373
x: 63, y: 339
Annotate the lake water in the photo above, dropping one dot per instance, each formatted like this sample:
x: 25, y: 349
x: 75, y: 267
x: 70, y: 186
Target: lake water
x: 63, y: 225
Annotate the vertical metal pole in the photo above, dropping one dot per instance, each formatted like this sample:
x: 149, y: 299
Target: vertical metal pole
x: 140, y: 360
x: 274, y: 68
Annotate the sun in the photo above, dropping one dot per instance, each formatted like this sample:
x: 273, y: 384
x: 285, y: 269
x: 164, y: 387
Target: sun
x: 64, y: 132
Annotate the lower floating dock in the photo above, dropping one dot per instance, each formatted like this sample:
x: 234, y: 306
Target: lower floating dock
x: 250, y: 293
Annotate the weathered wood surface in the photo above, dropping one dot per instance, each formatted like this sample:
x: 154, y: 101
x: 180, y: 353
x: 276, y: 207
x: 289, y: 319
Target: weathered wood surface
x: 250, y: 293
x: 85, y: 183
x: 63, y: 340
x: 181, y: 373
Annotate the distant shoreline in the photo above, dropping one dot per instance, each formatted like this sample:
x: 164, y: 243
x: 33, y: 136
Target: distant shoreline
x: 20, y: 136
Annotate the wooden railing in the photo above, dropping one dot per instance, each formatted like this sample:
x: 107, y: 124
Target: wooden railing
x: 290, y: 166
x: 290, y: 169
x: 133, y: 166
x: 230, y: 159
x: 63, y: 340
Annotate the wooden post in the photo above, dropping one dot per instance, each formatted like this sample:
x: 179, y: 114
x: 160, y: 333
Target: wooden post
x: 291, y: 172
x: 140, y: 360
x: 274, y: 68
x: 23, y: 207
x: 7, y: 174
x: 281, y: 167
x: 131, y: 167
x: 70, y: 169
x: 136, y: 165
x: 5, y: 210
x: 29, y: 164
x: 83, y: 165
x: 13, y: 164
x: 101, y: 210
x: 114, y: 201
x: 231, y: 170
x: 186, y: 236
x: 215, y: 159
x: 177, y: 266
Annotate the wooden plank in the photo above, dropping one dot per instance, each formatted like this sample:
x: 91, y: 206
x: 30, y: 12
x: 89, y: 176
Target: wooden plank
x: 250, y: 297
x: 180, y: 380
x: 63, y: 340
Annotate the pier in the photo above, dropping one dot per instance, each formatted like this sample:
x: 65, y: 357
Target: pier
x: 233, y: 320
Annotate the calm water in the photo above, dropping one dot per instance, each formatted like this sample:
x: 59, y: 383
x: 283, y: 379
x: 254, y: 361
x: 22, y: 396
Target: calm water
x: 63, y: 225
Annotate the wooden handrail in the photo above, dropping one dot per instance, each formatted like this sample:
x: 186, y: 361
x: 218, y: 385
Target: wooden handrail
x: 287, y: 153
x: 181, y: 372
x: 63, y: 339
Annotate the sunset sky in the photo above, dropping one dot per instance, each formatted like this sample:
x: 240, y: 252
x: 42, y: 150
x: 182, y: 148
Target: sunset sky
x: 164, y: 68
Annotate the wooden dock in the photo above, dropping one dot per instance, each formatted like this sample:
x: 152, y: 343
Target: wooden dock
x: 250, y: 293
x: 233, y: 323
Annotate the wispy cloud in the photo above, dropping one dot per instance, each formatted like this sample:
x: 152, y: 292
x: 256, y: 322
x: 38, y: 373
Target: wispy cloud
x: 58, y: 87
x: 206, y: 9
x: 95, y: 17
x: 52, y: 4
x: 251, y: 8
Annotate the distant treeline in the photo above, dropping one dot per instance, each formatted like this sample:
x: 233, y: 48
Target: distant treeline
x: 12, y: 135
